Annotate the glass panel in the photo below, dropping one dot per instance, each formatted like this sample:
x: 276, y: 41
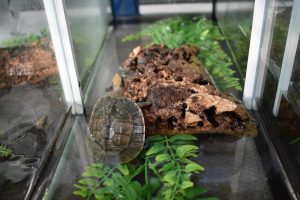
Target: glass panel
x: 235, y: 21
x: 31, y: 99
x: 284, y: 129
x: 294, y: 100
x: 294, y: 90
x: 282, y: 18
x: 88, y: 26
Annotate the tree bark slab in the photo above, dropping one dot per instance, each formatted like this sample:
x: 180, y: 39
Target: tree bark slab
x: 177, y: 95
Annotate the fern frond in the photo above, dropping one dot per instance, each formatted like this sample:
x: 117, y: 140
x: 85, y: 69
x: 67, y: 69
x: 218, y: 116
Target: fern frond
x: 169, y: 159
x: 102, y: 182
x: 5, y: 151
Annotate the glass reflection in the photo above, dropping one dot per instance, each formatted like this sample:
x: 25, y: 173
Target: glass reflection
x: 31, y: 99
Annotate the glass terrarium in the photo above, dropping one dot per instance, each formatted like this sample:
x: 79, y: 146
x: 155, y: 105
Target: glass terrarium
x: 149, y: 99
x: 33, y: 106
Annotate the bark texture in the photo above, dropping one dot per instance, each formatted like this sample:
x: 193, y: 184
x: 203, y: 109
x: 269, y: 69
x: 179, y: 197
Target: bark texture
x: 177, y: 95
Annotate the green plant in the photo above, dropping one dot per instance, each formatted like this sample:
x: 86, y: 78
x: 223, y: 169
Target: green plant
x: 237, y: 31
x: 296, y: 140
x: 20, y: 41
x: 103, y: 182
x: 197, y: 31
x: 53, y: 80
x: 170, y: 159
x: 5, y: 151
x: 166, y: 168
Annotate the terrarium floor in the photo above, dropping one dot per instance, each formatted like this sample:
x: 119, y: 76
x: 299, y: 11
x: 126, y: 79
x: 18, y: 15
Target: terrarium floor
x: 233, y: 167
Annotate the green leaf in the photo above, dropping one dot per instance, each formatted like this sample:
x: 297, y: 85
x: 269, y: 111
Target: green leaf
x: 178, y: 143
x: 154, y: 138
x: 129, y: 191
x: 204, y: 34
x: 100, y: 196
x: 5, y: 151
x: 108, y: 182
x: 186, y: 184
x: 184, y: 149
x: 124, y: 169
x: 100, y: 191
x: 80, y: 193
x: 135, y: 171
x: 191, y: 155
x: 97, y: 165
x: 153, y: 165
x: 88, y: 181
x: 92, y: 172
x: 150, y: 189
x: 170, y: 177
x: 119, y: 179
x: 191, y: 193
x: 182, y: 137
x: 186, y: 160
x: 162, y: 157
x: 155, y: 184
x: 295, y: 140
x: 155, y: 149
x: 166, y: 167
x: 193, y: 167
x: 167, y: 194
x: 81, y: 187
x: 136, y: 186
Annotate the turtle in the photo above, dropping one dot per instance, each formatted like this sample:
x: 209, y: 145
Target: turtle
x: 117, y: 130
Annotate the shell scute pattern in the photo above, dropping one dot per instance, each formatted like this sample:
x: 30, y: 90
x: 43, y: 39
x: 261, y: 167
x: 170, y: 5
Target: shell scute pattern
x: 117, y: 129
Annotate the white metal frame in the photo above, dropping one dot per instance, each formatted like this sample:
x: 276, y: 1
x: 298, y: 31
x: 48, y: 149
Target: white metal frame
x: 270, y: 18
x: 289, y: 56
x: 62, y: 44
x: 260, y: 10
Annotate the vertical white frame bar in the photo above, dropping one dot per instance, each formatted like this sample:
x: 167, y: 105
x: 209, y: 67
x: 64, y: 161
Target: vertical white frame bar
x: 260, y: 9
x: 269, y: 24
x: 62, y: 44
x: 289, y: 56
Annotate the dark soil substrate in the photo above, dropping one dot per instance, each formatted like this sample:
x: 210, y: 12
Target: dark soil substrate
x: 179, y: 96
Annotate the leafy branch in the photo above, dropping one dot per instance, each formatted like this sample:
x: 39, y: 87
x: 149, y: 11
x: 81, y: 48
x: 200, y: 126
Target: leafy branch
x: 167, y: 168
x: 176, y: 31
x: 101, y: 182
x: 169, y: 159
x: 5, y: 151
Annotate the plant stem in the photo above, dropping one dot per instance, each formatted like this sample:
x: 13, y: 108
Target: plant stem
x: 147, y: 178
x: 146, y: 172
x: 176, y: 184
x: 177, y: 165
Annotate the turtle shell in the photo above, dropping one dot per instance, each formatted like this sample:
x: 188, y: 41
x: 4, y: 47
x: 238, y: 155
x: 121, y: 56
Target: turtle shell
x: 117, y: 130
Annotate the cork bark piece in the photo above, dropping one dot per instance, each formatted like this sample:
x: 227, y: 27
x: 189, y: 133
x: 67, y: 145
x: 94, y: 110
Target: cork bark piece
x: 178, y: 96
